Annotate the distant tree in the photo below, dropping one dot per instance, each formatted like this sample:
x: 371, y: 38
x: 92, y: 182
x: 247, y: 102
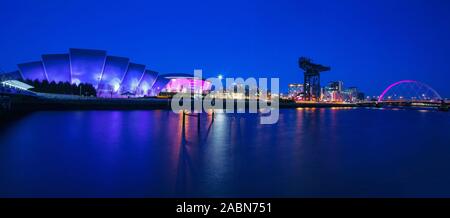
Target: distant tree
x: 60, y: 88
x: 81, y: 89
x: 67, y: 88
x: 52, y: 87
x: 88, y: 89
x: 75, y: 90
x: 45, y: 86
x: 84, y: 89
x: 37, y: 85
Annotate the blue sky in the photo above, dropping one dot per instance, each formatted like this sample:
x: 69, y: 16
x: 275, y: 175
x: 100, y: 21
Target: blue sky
x: 367, y: 43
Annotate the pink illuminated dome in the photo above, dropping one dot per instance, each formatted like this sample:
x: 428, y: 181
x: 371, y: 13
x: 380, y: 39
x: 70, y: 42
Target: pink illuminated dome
x: 185, y: 83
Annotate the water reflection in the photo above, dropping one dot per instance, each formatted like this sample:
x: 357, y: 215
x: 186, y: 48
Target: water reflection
x: 309, y: 152
x: 185, y: 168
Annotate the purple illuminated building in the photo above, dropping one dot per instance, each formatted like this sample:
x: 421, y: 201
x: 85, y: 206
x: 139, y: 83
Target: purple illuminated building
x: 186, y: 83
x: 87, y: 65
x: 145, y: 86
x: 57, y: 67
x: 174, y: 83
x: 33, y: 70
x: 159, y: 84
x: 112, y: 76
x: 115, y: 69
x: 15, y: 75
x: 132, y: 78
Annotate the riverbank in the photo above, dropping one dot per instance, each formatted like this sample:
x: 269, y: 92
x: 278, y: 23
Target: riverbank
x: 38, y: 103
x: 5, y: 106
x: 27, y: 103
x: 7, y: 114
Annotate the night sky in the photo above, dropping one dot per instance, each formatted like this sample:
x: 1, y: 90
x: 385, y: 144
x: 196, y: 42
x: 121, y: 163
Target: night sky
x: 368, y: 44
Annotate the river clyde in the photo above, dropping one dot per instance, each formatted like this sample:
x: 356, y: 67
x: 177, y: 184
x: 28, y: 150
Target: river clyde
x: 353, y: 152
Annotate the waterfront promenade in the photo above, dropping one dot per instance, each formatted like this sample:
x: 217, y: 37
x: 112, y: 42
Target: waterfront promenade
x: 67, y: 102
x: 43, y: 101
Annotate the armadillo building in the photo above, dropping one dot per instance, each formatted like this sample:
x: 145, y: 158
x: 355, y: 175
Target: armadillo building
x: 110, y: 75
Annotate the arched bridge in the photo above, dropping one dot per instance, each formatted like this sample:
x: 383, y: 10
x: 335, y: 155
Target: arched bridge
x: 410, y: 92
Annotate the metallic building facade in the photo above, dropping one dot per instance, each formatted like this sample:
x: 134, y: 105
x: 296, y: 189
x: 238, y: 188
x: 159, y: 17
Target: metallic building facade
x: 87, y: 65
x: 132, y: 78
x: 57, y: 67
x: 145, y: 87
x: 33, y: 70
x: 113, y: 73
x: 160, y: 84
x: 112, y: 76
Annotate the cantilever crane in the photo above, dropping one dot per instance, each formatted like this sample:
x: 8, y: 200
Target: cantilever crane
x: 311, y: 85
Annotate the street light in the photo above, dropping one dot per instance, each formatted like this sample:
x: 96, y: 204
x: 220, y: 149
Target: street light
x: 220, y: 76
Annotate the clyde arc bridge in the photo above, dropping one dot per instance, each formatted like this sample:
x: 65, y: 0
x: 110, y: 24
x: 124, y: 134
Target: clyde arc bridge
x: 409, y: 93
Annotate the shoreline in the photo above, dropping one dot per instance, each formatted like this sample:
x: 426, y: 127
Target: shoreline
x: 19, y: 104
x: 15, y: 107
x: 38, y: 103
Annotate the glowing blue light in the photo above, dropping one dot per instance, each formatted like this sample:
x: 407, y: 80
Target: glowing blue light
x: 57, y: 67
x: 33, y: 70
x: 132, y: 78
x: 85, y: 63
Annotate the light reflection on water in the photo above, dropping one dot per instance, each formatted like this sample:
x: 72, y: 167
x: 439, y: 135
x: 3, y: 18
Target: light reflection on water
x: 310, y: 152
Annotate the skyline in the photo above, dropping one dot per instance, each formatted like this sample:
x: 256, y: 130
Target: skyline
x: 387, y: 42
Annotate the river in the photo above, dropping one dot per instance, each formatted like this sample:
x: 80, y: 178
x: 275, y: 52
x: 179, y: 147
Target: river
x: 355, y: 152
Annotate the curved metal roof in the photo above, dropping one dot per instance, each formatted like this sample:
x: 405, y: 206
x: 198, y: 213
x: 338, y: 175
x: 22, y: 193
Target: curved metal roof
x: 110, y: 75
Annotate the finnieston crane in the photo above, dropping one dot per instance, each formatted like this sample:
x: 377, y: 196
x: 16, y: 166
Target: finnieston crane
x: 311, y: 85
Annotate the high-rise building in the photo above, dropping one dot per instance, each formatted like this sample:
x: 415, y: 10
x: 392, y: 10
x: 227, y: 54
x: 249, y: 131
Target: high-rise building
x: 352, y: 94
x: 334, y: 92
x: 361, y: 96
x: 295, y: 89
x: 336, y: 86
